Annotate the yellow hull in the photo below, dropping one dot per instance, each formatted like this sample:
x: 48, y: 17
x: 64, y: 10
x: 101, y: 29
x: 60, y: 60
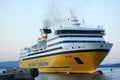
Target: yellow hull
x: 86, y: 62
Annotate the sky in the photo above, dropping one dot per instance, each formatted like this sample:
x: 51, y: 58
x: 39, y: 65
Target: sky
x: 20, y: 21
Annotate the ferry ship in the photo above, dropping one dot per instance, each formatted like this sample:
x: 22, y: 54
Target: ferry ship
x: 72, y: 49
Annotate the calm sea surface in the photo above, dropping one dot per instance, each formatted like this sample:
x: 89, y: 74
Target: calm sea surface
x: 108, y: 75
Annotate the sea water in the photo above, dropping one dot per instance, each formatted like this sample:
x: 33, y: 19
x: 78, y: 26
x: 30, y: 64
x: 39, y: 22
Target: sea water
x: 109, y: 74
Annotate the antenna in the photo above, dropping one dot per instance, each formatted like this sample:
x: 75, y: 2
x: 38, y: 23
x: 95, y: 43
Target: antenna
x: 83, y: 22
x: 72, y: 15
x: 71, y: 12
x: 74, y: 21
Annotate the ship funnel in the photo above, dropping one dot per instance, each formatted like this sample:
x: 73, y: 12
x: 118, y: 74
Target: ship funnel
x: 44, y: 33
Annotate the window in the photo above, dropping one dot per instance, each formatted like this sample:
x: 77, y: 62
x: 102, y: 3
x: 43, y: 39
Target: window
x: 57, y: 32
x: 77, y: 59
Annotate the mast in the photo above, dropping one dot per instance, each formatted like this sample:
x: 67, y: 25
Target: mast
x: 74, y: 21
x: 83, y: 22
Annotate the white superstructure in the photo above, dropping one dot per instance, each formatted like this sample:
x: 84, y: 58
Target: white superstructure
x: 67, y: 39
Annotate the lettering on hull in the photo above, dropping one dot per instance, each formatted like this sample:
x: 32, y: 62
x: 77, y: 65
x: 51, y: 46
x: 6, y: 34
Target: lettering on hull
x: 38, y: 64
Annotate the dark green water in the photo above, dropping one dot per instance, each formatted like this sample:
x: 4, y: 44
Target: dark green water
x: 67, y: 77
x: 108, y: 75
x: 12, y: 79
x: 71, y: 77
